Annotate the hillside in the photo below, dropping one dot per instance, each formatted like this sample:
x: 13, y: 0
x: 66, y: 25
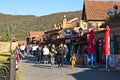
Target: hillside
x: 22, y: 24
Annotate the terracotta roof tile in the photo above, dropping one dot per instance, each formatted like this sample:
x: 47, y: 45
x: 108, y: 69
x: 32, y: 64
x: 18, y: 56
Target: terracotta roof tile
x: 36, y: 34
x: 97, y: 10
x: 22, y: 42
x: 14, y: 39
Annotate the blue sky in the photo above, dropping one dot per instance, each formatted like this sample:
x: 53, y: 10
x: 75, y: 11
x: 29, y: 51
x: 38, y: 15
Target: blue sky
x: 39, y: 7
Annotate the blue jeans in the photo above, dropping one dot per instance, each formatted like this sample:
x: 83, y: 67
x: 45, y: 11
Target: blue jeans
x: 65, y: 59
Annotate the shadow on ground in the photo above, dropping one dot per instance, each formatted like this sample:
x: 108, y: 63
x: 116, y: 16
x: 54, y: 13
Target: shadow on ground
x: 97, y: 74
x: 30, y: 59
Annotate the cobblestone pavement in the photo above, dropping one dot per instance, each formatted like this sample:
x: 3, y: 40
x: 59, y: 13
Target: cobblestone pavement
x: 33, y: 71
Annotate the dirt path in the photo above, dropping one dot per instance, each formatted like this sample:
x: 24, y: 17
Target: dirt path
x: 33, y: 71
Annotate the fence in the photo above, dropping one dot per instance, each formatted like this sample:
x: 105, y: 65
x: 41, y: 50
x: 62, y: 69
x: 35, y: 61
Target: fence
x: 4, y: 71
x: 5, y: 46
x: 8, y: 69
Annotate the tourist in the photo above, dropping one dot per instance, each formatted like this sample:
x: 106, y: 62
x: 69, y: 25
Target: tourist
x: 53, y: 52
x: 30, y: 51
x: 66, y: 51
x: 61, y: 53
x: 39, y: 53
x: 46, y: 54
x: 34, y: 49
x: 27, y: 49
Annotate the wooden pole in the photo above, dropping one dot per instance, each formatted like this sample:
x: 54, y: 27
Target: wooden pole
x: 11, y: 38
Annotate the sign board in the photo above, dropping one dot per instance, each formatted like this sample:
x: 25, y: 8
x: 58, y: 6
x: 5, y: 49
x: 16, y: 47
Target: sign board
x: 111, y: 12
x: 67, y: 32
x: 68, y: 41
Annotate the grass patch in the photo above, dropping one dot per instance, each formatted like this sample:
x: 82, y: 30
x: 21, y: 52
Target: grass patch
x: 5, y: 53
x: 4, y: 56
x: 17, y: 76
x: 18, y: 72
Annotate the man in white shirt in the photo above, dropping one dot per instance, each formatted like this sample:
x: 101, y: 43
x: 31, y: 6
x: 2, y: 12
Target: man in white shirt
x: 46, y: 54
x: 34, y: 48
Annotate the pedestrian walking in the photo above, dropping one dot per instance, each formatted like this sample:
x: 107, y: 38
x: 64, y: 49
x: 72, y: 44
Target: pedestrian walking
x: 18, y: 53
x: 53, y: 52
x: 18, y: 56
x: 39, y: 53
x: 34, y: 49
x: 27, y: 49
x: 31, y: 49
x: 61, y: 53
x: 66, y: 51
x: 46, y: 54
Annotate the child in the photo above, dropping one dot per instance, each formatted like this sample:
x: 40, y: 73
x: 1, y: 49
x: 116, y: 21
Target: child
x: 73, y: 60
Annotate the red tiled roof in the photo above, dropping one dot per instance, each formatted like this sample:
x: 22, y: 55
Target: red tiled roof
x: 97, y: 10
x: 22, y: 42
x: 36, y: 34
x: 14, y: 39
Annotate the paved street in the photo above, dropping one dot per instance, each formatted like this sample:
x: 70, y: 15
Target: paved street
x: 33, y: 71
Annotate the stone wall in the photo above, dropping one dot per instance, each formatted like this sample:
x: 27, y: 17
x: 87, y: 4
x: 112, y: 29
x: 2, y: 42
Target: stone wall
x: 5, y: 46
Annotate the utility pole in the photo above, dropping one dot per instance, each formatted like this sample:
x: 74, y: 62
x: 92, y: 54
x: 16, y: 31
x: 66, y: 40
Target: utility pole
x: 11, y: 38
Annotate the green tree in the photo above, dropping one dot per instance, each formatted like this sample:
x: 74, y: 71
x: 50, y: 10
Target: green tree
x: 5, y: 36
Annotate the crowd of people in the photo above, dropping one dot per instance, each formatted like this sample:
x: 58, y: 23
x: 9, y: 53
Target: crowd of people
x: 46, y: 54
x: 52, y: 54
